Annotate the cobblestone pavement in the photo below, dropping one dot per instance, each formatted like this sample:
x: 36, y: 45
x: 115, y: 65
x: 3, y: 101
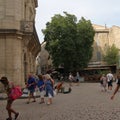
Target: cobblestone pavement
x: 85, y: 102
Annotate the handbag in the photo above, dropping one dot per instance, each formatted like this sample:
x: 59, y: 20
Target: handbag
x: 16, y: 92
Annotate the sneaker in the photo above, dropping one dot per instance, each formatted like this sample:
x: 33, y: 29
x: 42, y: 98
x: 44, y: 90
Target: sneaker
x: 16, y: 115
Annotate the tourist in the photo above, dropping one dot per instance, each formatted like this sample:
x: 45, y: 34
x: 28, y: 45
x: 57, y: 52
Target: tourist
x: 41, y: 86
x: 103, y: 82
x: 8, y: 88
x: 31, y: 85
x: 71, y: 78
x: 49, y: 84
x: 109, y: 80
x: 77, y: 78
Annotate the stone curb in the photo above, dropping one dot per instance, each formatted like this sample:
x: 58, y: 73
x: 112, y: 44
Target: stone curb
x: 22, y: 97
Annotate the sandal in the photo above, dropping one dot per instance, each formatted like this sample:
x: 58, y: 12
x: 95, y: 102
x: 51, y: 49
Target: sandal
x: 48, y: 103
x: 27, y: 102
x: 16, y: 115
x: 42, y: 102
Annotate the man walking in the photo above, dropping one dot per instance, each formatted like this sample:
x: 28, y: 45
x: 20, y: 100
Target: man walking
x: 109, y: 80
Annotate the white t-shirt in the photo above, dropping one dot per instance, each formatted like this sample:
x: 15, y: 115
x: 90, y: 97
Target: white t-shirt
x: 109, y: 77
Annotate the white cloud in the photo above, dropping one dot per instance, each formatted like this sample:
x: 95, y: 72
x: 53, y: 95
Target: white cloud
x: 99, y: 12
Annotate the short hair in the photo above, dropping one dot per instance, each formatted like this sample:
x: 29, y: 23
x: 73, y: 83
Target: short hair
x: 40, y: 77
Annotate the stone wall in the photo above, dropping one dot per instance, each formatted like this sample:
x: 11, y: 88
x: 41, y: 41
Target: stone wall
x: 114, y: 36
x: 18, y: 48
x: 11, y: 57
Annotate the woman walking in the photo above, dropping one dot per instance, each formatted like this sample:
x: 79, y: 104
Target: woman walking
x: 8, y: 88
x: 49, y: 83
x: 103, y: 81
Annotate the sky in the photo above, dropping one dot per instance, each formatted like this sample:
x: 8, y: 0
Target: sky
x: 100, y: 12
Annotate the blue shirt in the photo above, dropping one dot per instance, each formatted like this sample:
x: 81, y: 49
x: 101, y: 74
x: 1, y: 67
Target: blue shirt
x: 39, y: 84
x: 31, y: 80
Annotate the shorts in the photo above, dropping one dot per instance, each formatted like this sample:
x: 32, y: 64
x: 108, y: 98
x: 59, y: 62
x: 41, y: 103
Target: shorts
x: 31, y: 91
x: 42, y: 94
x: 49, y: 95
x: 110, y: 83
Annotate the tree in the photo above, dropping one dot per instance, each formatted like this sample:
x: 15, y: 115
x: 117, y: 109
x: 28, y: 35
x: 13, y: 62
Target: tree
x: 69, y: 43
x: 112, y: 55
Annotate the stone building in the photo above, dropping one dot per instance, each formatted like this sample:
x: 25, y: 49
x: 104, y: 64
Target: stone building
x: 103, y: 38
x: 44, y: 63
x: 19, y: 43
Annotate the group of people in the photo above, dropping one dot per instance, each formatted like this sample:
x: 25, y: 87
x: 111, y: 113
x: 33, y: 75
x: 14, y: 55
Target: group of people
x: 44, y: 83
x: 107, y: 80
x: 73, y: 78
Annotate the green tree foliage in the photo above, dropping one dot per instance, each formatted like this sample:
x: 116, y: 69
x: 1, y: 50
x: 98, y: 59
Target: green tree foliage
x: 69, y: 42
x: 112, y: 55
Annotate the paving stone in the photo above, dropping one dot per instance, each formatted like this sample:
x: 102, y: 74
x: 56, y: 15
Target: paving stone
x: 85, y: 102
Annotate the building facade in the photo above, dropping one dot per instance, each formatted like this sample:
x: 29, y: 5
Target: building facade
x: 104, y: 37
x: 19, y: 43
x: 44, y: 63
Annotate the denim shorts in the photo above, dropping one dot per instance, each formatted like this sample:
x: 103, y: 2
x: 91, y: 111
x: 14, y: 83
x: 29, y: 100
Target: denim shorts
x: 32, y: 90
